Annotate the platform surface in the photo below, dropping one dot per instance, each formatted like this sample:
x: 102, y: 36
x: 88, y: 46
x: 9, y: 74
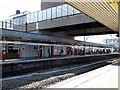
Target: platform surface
x: 10, y: 61
x: 104, y: 77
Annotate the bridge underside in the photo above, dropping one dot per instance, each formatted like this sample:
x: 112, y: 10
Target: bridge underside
x: 93, y: 28
x: 103, y: 11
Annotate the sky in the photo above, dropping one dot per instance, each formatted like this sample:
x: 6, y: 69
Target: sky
x: 9, y: 7
x: 96, y: 38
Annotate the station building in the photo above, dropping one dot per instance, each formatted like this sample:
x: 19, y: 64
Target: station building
x: 23, y: 37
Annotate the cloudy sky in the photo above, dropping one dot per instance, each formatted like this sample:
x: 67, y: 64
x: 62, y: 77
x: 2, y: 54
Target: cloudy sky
x: 9, y: 7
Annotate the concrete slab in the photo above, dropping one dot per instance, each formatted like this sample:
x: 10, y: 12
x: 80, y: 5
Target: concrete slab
x: 105, y: 77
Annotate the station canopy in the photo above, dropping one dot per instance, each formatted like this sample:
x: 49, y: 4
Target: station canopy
x: 103, y: 11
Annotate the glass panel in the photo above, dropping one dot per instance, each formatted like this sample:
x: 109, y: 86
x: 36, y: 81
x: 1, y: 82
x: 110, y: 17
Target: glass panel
x: 37, y: 15
x: 31, y: 17
x: 10, y: 23
x: 0, y: 24
x: 6, y: 24
x: 34, y: 16
x: 59, y: 11
x: 76, y: 11
x: 44, y: 15
x: 21, y: 21
x: 17, y: 21
x: 24, y: 19
x: 49, y: 12
x: 40, y: 16
x: 3, y: 24
x: 54, y: 12
x: 34, y: 32
x: 28, y: 16
x: 64, y: 10
x: 70, y: 10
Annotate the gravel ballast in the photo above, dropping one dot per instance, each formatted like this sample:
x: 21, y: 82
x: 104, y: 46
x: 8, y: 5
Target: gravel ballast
x: 39, y: 81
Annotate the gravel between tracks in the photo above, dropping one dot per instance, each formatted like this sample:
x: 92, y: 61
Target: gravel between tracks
x: 42, y: 81
x: 48, y: 82
x: 36, y: 82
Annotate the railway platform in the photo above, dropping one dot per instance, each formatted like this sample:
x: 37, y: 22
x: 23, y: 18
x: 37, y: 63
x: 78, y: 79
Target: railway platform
x: 28, y: 65
x: 104, y: 77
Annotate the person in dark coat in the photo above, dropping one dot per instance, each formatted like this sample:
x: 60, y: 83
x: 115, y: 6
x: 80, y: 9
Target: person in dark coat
x: 49, y: 53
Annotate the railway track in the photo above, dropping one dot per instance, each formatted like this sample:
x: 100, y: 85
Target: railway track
x: 69, y: 71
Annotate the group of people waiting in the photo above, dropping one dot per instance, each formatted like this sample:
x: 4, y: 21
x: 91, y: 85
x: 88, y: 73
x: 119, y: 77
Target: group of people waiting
x: 71, y: 51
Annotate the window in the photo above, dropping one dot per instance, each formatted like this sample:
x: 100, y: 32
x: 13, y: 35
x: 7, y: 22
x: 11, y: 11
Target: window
x: 10, y: 23
x: 54, y: 13
x: 64, y: 10
x: 34, y: 16
x: 18, y: 21
x: 76, y: 11
x: 31, y: 17
x: 34, y: 31
x: 15, y: 21
x: 24, y: 19
x: 44, y: 14
x: 21, y: 21
x: 28, y: 18
x: 59, y: 11
x: 6, y: 24
x: 40, y: 16
x: 70, y: 10
x: 49, y: 12
x: 0, y: 24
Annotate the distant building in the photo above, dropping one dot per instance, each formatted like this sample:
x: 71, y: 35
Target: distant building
x: 111, y: 41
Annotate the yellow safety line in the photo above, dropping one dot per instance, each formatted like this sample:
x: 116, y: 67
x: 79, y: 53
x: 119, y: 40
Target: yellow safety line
x: 113, y: 61
x: 11, y: 59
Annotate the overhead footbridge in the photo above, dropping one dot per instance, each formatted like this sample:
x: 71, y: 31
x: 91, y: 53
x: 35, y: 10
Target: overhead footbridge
x: 103, y: 11
x: 70, y: 20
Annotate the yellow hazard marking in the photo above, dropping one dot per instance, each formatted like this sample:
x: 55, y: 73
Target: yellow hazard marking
x: 11, y: 59
x: 114, y: 3
x: 113, y: 61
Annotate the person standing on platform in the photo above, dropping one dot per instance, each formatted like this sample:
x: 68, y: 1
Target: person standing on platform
x: 49, y: 53
x: 61, y: 52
